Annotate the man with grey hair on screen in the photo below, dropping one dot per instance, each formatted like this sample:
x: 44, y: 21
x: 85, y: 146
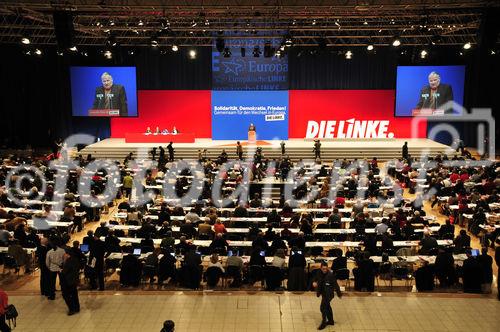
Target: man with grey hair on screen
x: 434, y: 95
x: 110, y: 96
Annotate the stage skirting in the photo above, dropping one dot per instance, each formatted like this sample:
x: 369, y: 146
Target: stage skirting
x: 143, y: 138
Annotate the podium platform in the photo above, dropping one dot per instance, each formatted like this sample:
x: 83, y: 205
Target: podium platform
x: 252, y: 137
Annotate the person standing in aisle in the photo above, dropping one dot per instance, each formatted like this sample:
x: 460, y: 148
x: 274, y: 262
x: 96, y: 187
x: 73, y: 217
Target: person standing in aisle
x: 326, y: 286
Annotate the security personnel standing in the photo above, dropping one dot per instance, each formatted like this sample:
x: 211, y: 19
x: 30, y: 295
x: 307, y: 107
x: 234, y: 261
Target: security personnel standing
x: 326, y: 286
x: 317, y: 149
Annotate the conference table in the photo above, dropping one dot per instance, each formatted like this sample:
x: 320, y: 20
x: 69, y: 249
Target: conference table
x: 309, y: 244
x: 159, y: 138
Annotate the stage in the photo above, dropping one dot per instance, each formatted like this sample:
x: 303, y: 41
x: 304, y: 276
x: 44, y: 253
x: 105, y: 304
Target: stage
x: 383, y: 149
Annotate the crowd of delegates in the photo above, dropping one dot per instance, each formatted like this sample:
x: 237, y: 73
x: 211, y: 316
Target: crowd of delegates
x: 182, y: 263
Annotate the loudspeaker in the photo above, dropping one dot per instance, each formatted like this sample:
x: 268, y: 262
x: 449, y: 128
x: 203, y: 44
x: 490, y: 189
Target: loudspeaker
x: 64, y: 29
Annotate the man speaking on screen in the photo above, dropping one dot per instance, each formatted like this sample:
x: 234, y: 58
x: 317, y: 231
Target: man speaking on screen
x: 434, y: 95
x: 110, y: 96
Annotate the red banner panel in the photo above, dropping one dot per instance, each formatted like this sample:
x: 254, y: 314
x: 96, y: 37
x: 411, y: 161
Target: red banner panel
x: 347, y: 114
x: 187, y: 110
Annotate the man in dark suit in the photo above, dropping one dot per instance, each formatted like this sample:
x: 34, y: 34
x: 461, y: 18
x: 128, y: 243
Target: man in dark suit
x: 110, y: 96
x: 96, y: 261
x: 435, y: 94
x: 326, y: 287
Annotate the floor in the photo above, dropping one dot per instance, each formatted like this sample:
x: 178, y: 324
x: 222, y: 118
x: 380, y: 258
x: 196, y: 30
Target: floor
x: 258, y: 312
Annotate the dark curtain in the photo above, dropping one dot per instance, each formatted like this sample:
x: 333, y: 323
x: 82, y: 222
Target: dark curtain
x: 310, y: 69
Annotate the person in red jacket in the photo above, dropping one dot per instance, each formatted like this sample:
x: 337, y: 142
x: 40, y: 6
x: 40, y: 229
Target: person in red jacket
x: 4, y: 302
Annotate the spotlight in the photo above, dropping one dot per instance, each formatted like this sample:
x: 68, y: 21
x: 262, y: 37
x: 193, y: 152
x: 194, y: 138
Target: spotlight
x: 314, y: 22
x: 423, y: 54
x: 38, y: 51
x: 220, y: 45
x: 396, y: 41
x: 268, y: 50
x: 25, y: 40
x: 337, y: 23
x: 111, y: 22
x: 207, y: 22
x: 192, y: 54
x: 435, y: 39
x: 60, y: 53
x: 256, y: 52
x: 112, y: 41
x: 131, y: 52
x: 278, y: 53
x: 73, y: 49
x: 370, y: 47
x: 348, y: 55
x: 288, y: 40
x: 108, y: 54
x: 226, y: 53
x: 193, y: 24
x: 84, y: 53
x: 154, y: 41
x: 140, y: 23
x: 243, y: 52
x: 175, y: 48
x: 467, y: 46
x: 493, y: 52
x: 365, y: 22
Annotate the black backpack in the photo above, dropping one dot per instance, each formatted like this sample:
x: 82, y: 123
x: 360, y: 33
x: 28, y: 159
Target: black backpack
x: 11, y: 314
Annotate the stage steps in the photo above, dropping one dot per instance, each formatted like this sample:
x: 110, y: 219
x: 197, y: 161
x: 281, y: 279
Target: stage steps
x: 295, y: 153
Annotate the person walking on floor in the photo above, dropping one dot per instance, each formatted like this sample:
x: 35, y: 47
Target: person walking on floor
x: 41, y: 253
x: 70, y: 275
x: 54, y: 261
x: 326, y: 286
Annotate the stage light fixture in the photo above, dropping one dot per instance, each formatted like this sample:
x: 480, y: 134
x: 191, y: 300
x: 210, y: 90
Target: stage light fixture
x: 396, y: 41
x: 256, y: 52
x: 348, y: 55
x: 467, y: 46
x: 73, y: 49
x: 25, y: 40
x: 268, y: 50
x: 493, y: 52
x: 140, y: 23
x: 220, y: 44
x: 226, y: 53
x: 423, y: 54
x: 175, y: 48
x: 192, y: 54
x: 207, y: 22
x: 112, y: 41
x: 108, y: 54
x: 111, y: 22
x: 154, y: 41
x: 288, y: 40
x: 365, y: 22
x: 370, y: 47
x: 38, y: 51
x: 314, y: 22
x: 193, y: 23
x: 131, y: 52
x: 243, y: 52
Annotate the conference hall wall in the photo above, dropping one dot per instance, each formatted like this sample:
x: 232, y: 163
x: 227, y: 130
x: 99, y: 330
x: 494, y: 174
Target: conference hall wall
x: 255, y: 90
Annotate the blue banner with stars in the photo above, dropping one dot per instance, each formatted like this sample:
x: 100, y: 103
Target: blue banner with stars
x: 249, y: 72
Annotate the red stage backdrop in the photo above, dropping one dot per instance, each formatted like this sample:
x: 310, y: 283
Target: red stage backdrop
x: 188, y: 110
x: 347, y: 114
x: 312, y: 113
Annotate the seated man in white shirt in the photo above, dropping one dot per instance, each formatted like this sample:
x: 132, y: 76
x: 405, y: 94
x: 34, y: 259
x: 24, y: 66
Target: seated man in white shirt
x: 148, y: 131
